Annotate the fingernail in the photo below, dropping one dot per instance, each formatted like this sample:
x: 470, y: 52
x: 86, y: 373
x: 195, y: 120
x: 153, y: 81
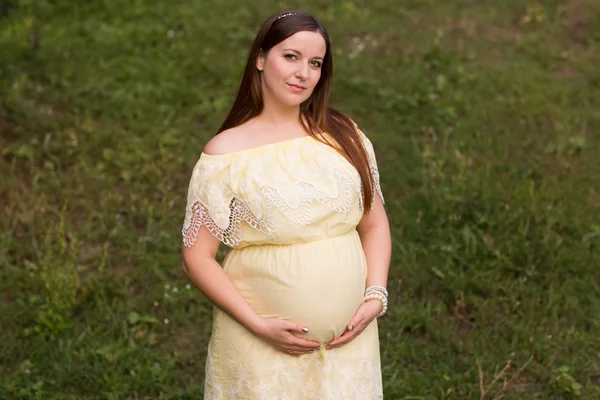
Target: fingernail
x: 304, y: 330
x: 350, y: 327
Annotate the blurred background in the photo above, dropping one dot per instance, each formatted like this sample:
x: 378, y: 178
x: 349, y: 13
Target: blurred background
x: 485, y: 116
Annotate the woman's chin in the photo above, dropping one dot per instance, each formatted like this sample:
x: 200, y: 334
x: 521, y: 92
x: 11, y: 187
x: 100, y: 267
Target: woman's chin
x: 293, y: 100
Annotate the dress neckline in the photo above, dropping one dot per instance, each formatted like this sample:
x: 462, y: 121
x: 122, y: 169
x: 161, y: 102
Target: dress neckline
x: 259, y: 148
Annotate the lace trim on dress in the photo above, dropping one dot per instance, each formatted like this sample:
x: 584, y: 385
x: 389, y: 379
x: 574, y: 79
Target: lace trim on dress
x: 270, y: 198
x: 360, y: 381
x: 377, y: 187
x: 230, y: 236
x: 308, y: 193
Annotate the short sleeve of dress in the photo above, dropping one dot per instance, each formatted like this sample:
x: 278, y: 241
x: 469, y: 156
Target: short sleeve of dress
x: 373, y: 164
x: 209, y: 200
x: 212, y: 202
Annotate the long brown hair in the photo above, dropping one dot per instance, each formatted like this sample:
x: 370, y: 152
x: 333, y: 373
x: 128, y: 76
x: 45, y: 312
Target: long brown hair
x: 315, y: 114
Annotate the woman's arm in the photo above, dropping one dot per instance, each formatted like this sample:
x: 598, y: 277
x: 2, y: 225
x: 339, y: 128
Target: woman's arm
x: 201, y: 267
x: 374, y: 232
x: 199, y: 264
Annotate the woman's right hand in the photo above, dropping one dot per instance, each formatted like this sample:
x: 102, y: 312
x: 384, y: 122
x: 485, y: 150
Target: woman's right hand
x: 278, y: 333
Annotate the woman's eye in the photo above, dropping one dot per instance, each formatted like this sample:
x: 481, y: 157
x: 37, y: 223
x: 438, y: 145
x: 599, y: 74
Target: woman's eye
x: 290, y: 56
x: 317, y: 64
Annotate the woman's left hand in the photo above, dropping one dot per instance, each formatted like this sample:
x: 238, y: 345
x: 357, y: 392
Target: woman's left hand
x: 363, y: 316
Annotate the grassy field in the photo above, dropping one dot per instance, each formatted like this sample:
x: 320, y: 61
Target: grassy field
x: 485, y: 116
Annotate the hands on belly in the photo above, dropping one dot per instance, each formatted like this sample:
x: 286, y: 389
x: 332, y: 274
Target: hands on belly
x: 283, y: 335
x: 278, y: 333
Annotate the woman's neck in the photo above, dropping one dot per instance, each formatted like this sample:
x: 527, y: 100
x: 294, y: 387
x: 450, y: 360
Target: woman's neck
x: 278, y: 114
x: 280, y: 118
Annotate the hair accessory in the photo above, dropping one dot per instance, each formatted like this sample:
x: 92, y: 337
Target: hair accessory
x: 285, y: 15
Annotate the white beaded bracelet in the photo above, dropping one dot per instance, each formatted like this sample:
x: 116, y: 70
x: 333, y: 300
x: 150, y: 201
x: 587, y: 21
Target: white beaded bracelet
x: 376, y: 289
x: 381, y: 298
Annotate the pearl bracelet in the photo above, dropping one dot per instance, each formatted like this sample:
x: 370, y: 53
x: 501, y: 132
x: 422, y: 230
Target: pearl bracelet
x: 381, y: 298
x: 380, y: 289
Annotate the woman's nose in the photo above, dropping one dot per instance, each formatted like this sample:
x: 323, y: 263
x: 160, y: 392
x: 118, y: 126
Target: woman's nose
x: 302, y: 71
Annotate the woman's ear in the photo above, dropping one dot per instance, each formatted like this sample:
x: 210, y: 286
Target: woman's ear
x: 260, y: 60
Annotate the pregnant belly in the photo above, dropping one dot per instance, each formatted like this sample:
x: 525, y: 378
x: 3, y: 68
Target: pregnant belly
x: 318, y: 284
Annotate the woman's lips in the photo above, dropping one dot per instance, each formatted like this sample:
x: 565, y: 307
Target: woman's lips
x: 296, y: 88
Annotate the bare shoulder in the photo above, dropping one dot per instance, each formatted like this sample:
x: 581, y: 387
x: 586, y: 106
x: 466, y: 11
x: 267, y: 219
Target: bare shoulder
x: 228, y: 141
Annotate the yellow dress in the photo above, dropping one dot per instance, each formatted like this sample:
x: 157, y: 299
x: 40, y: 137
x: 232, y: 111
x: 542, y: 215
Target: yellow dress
x: 289, y: 212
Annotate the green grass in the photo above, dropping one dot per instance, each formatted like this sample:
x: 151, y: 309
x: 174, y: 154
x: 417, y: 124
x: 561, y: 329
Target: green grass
x: 486, y: 121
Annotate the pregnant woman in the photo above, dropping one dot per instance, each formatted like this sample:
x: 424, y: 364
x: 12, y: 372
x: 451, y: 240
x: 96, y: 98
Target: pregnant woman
x: 291, y: 186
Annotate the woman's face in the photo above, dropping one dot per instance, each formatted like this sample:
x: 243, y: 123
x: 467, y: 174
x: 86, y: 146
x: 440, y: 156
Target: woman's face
x: 292, y: 68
